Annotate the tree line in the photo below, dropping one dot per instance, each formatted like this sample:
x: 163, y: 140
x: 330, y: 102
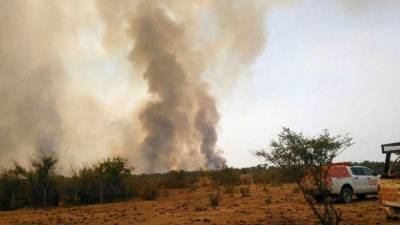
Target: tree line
x: 108, y: 180
x: 111, y: 180
x: 41, y: 186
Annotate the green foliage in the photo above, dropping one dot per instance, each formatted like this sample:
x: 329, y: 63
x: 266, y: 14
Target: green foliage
x: 105, y: 181
x: 86, y: 185
x: 175, y: 179
x: 42, y: 185
x: 37, y: 187
x: 179, y: 179
x: 66, y: 187
x: 11, y: 183
x: 294, y: 155
x: 111, y: 175
x: 226, y: 177
x: 270, y: 175
x: 145, y: 186
x: 297, y: 156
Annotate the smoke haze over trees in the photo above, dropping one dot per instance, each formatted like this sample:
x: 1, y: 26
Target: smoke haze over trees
x: 169, y: 45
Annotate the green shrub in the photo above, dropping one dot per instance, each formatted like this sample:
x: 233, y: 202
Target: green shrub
x: 179, y: 179
x: 12, y: 184
x: 227, y: 176
x: 42, y: 183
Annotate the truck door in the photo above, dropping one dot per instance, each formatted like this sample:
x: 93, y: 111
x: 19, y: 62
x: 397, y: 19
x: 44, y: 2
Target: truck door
x: 372, y: 179
x: 360, y: 182
x: 389, y: 184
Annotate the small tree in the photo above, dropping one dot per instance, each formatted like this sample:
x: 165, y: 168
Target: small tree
x: 297, y: 156
x: 87, y: 184
x: 112, y: 175
x: 11, y: 181
x: 41, y: 180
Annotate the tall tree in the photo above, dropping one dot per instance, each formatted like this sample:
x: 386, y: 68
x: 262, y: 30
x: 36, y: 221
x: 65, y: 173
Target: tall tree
x: 11, y: 182
x: 111, y: 176
x: 40, y: 179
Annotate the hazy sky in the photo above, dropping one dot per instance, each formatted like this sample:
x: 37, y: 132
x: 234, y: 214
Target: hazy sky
x: 325, y: 65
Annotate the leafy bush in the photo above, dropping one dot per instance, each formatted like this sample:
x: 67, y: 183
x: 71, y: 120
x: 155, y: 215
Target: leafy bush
x: 179, y: 179
x: 42, y: 183
x: 226, y: 177
x: 105, y: 181
x: 12, y: 182
x: 86, y: 185
x: 111, y: 175
x: 41, y: 186
x: 297, y: 156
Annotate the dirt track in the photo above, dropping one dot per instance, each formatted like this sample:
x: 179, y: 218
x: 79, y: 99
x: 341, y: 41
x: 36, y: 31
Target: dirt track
x: 192, y: 207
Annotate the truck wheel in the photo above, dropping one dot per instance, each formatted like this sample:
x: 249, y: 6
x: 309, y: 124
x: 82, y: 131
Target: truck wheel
x: 319, y: 198
x: 360, y: 196
x: 346, y: 194
x: 391, y: 218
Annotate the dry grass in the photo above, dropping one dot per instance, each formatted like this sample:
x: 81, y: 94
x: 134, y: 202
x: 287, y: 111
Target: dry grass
x: 269, y: 205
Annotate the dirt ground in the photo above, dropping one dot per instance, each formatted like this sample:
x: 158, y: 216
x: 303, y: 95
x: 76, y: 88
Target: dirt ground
x: 273, y: 205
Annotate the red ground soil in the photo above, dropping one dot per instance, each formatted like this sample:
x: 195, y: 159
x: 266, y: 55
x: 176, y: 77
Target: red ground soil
x: 192, y: 207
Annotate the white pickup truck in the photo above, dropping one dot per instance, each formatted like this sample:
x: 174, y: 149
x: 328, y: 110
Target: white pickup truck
x: 344, y: 181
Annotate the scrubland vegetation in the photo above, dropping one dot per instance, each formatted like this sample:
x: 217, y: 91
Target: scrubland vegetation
x: 112, y: 180
x: 291, y: 157
x: 281, y: 204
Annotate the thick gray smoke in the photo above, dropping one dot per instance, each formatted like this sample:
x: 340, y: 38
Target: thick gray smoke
x: 42, y: 111
x: 30, y: 77
x: 173, y: 48
x: 168, y: 118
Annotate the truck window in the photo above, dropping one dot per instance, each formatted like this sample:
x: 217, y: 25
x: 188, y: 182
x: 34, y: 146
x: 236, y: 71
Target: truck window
x: 368, y: 172
x: 357, y: 171
x: 394, y: 169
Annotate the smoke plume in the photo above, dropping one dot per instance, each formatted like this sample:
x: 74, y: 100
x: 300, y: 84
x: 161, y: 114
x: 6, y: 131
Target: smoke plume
x: 30, y: 77
x: 174, y: 44
x: 179, y: 49
x: 42, y: 111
